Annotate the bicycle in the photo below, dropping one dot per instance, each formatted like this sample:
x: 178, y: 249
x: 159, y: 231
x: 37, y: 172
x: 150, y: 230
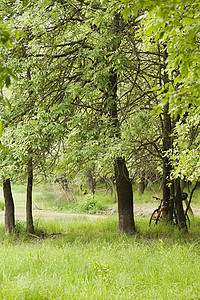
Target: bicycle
x: 164, y: 206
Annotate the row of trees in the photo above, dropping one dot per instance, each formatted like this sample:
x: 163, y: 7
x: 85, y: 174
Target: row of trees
x: 102, y: 86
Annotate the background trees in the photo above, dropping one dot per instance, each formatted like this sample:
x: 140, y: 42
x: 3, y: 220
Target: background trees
x: 88, y: 82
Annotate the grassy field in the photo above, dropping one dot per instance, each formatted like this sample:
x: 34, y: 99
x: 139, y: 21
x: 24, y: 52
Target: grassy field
x: 78, y: 258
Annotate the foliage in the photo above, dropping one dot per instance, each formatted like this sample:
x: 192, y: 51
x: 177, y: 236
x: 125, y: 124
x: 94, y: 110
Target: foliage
x: 176, y: 25
x: 185, y: 156
x: 64, y: 61
x: 71, y: 91
x: 89, y: 204
x: 8, y: 35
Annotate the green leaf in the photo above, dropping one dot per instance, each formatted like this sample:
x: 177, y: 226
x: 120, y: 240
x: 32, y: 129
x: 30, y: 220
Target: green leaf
x: 7, y: 103
x: 126, y: 12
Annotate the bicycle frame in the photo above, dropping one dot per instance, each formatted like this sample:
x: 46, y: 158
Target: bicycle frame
x: 164, y: 206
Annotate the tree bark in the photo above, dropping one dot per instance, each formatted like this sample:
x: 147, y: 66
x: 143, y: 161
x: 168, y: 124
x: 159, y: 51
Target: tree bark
x: 123, y: 184
x: 179, y: 206
x: 125, y: 197
x: 9, y: 207
x: 29, y: 198
x: 167, y: 144
x: 167, y: 215
x: 91, y: 182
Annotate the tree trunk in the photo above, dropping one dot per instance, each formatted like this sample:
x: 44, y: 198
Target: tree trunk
x: 167, y: 215
x: 166, y: 137
x: 179, y: 206
x: 125, y: 197
x: 142, y: 184
x: 123, y: 184
x: 29, y: 198
x: 9, y: 207
x: 91, y: 182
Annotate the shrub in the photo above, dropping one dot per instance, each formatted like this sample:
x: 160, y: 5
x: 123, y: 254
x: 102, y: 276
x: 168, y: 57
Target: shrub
x: 89, y: 204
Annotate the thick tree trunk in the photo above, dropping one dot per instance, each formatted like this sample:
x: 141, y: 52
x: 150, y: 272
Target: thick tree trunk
x: 123, y: 184
x: 125, y: 197
x: 179, y: 206
x: 29, y: 198
x: 9, y: 207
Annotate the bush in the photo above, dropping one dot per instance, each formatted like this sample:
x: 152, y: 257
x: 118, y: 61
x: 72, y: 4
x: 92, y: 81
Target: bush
x: 89, y: 204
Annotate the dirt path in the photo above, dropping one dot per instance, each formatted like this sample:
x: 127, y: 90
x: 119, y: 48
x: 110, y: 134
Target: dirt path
x: 47, y: 215
x: 140, y: 210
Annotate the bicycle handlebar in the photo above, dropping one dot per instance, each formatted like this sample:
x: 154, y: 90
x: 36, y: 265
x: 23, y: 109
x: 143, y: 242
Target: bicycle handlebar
x: 157, y: 198
x: 183, y: 195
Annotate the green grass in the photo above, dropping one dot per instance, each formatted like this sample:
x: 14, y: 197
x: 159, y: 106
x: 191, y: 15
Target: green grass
x: 89, y: 260
x: 76, y: 258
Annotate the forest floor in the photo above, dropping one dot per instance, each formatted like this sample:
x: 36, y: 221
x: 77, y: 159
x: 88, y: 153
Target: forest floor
x: 140, y: 210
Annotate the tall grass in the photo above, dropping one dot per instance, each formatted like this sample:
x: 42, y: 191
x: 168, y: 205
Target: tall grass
x: 77, y: 258
x: 89, y: 260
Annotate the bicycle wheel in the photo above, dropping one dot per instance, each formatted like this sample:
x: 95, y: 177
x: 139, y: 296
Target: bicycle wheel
x: 155, y: 217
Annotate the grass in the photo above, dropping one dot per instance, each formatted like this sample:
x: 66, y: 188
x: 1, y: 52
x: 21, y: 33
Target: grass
x: 77, y: 258
x: 88, y: 260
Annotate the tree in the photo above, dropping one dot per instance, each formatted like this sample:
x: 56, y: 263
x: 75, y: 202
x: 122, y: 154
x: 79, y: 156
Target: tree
x: 92, y: 74
x: 29, y: 194
x: 9, y: 207
x: 85, y: 56
x: 176, y: 25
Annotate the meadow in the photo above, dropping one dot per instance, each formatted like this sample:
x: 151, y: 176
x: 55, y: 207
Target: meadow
x: 78, y: 258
